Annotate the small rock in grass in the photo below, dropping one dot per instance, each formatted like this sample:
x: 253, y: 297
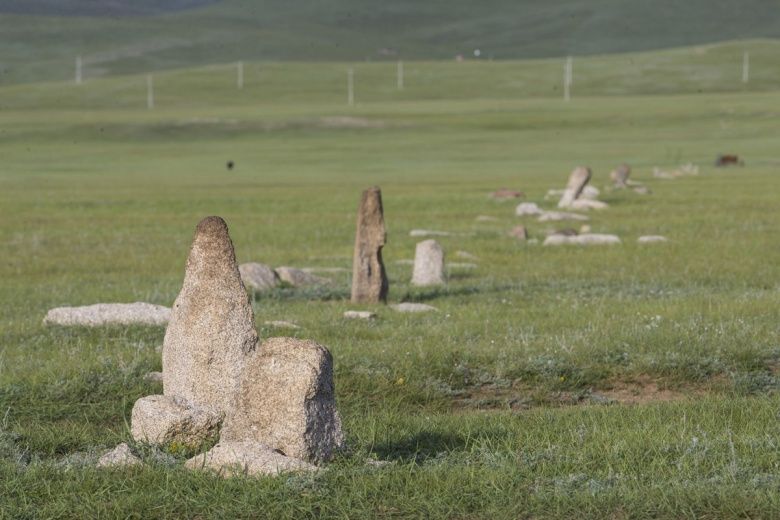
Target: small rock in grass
x: 246, y: 458
x: 528, y: 209
x: 138, y: 313
x: 121, y: 456
x: 519, y: 232
x: 553, y: 216
x: 282, y: 324
x: 360, y: 315
x: 649, y: 239
x: 160, y: 420
x: 299, y: 277
x: 413, y: 307
x: 258, y: 277
x: 586, y: 239
x: 588, y: 204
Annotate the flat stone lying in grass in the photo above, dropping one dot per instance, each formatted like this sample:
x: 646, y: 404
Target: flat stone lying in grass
x: 428, y: 264
x: 359, y: 315
x: 588, y: 204
x: 413, y: 307
x: 282, y: 324
x: 428, y: 233
x: 286, y: 401
x: 119, y: 457
x: 649, y: 239
x: 324, y: 270
x: 300, y: 278
x: 589, y: 193
x: 160, y: 420
x: 99, y: 314
x: 585, y: 239
x: 528, y: 209
x: 555, y: 216
x: 246, y: 458
x: 258, y: 277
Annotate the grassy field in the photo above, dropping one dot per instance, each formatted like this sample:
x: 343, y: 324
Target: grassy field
x: 40, y: 44
x: 624, y: 381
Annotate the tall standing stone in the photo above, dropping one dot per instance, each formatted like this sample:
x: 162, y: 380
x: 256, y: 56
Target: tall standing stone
x: 369, y: 280
x: 578, y: 178
x: 428, y: 264
x: 211, y: 330
x: 619, y: 176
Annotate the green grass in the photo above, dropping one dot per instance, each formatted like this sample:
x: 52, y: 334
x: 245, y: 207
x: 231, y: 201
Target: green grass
x: 488, y: 408
x: 37, y: 47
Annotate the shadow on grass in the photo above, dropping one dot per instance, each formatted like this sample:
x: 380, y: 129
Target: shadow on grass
x: 433, y: 293
x: 420, y: 447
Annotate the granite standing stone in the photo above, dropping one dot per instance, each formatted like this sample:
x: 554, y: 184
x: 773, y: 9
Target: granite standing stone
x: 577, y: 181
x: 619, y: 176
x: 369, y: 279
x: 428, y: 264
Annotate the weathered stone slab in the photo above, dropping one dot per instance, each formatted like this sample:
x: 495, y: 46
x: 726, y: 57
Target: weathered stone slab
x: 286, y: 401
x: 428, y: 264
x: 588, y: 204
x: 258, y: 277
x: 246, y: 458
x: 282, y: 324
x: 584, y: 239
x: 369, y: 279
x: 528, y: 209
x: 419, y: 233
x: 99, y: 314
x: 413, y: 307
x: 554, y: 216
x: 299, y: 278
x: 212, y: 325
x: 619, y: 176
x: 649, y: 239
x: 359, y: 315
x: 160, y: 420
x: 119, y: 457
x: 578, y: 178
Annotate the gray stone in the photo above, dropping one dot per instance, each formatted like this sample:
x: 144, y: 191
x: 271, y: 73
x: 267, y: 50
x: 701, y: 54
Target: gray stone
x: 286, y: 401
x: 554, y: 216
x: 119, y: 457
x: 428, y: 264
x: 528, y: 209
x: 413, y: 307
x: 138, y: 313
x: 359, y: 315
x: 299, y: 277
x: 578, y: 178
x: 589, y: 192
x: 649, y: 239
x: 619, y: 176
x: 587, y: 204
x: 282, y: 324
x: 585, y: 239
x: 258, y: 277
x: 212, y: 325
x: 246, y: 458
x: 160, y: 420
x: 369, y: 279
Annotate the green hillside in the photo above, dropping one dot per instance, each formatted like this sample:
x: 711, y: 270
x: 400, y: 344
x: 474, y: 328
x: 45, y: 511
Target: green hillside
x: 40, y: 42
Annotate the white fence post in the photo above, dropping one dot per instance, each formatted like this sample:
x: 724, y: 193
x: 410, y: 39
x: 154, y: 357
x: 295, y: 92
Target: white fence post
x: 567, y: 79
x: 350, y: 86
x: 78, y: 70
x: 400, y: 75
x: 240, y: 75
x: 149, y: 92
x: 745, y: 67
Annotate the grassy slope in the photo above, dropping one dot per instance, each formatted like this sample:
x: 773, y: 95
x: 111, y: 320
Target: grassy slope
x: 44, y: 48
x: 98, y: 200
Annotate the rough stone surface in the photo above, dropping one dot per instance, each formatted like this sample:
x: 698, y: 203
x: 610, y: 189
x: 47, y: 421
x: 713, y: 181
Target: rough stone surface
x: 299, y: 278
x: 413, y: 307
x: 359, y: 315
x: 369, y: 279
x: 212, y: 326
x: 528, y: 209
x: 590, y: 192
x: 587, y: 204
x: 585, y: 239
x: 577, y: 181
x: 138, y: 313
x: 121, y: 456
x: 246, y: 458
x: 428, y: 264
x: 554, y: 216
x: 286, y: 401
x: 417, y: 233
x: 519, y: 232
x: 649, y: 239
x: 159, y: 420
x: 619, y: 176
x: 258, y: 277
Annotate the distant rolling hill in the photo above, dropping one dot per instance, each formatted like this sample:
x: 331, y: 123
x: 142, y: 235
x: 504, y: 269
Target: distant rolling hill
x: 41, y: 38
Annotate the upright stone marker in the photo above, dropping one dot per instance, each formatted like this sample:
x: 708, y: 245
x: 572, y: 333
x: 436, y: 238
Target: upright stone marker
x: 369, y: 280
x: 211, y: 330
x: 428, y: 264
x: 577, y: 181
x: 619, y: 175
